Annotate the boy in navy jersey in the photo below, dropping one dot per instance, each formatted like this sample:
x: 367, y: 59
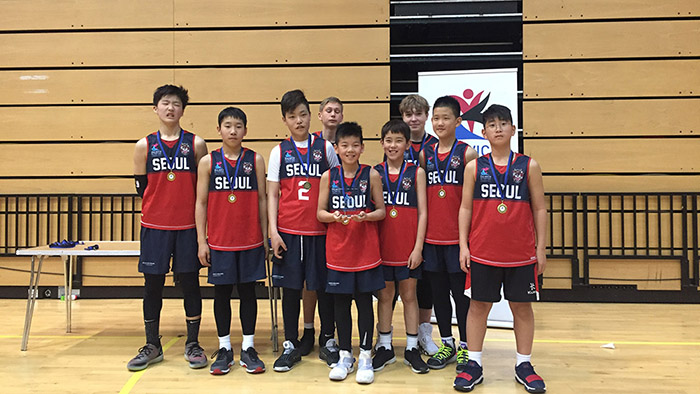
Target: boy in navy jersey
x: 165, y: 169
x: 401, y: 237
x: 414, y: 111
x: 351, y: 202
x: 444, y: 164
x: 231, y: 190
x: 502, y: 232
x: 298, y: 239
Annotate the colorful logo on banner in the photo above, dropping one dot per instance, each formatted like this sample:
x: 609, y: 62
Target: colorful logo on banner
x: 471, y: 105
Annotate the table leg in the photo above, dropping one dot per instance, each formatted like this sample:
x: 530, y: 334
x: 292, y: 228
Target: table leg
x: 272, y: 295
x: 31, y: 299
x: 69, y: 293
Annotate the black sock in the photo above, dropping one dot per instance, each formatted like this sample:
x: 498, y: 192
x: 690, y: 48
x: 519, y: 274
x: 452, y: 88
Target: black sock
x: 152, y: 334
x: 323, y: 338
x: 193, y: 330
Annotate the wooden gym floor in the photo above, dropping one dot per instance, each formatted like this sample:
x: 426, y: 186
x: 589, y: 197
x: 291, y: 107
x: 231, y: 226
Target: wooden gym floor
x: 657, y: 350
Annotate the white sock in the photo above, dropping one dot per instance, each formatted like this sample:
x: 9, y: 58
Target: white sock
x: 365, y: 354
x: 384, y: 340
x: 449, y: 341
x: 225, y: 342
x: 247, y: 342
x: 309, y: 326
x: 475, y: 356
x: 519, y: 358
x: 411, y: 342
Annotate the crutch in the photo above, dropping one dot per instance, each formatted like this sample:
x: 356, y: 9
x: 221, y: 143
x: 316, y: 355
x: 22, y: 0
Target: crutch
x: 272, y: 295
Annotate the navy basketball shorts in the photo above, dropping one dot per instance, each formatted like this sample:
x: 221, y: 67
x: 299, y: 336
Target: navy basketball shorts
x: 519, y: 283
x: 158, y: 246
x: 233, y: 267
x: 303, y: 261
x: 397, y: 273
x: 441, y: 258
x: 341, y: 282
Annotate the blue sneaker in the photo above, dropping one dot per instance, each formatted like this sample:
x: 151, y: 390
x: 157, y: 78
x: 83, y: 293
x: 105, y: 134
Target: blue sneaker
x: 525, y: 375
x: 471, y: 375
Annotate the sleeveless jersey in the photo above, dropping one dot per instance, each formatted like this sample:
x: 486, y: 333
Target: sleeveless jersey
x: 443, y: 226
x: 169, y: 205
x: 297, y: 205
x: 413, y: 151
x: 355, y: 246
x: 397, y: 235
x: 233, y: 226
x: 502, y: 240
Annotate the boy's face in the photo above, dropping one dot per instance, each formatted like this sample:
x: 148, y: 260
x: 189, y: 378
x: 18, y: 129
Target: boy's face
x: 298, y: 121
x: 415, y: 119
x: 445, y: 122
x: 232, y: 130
x: 331, y: 115
x: 498, y: 131
x: 169, y: 109
x: 394, y: 144
x: 349, y: 149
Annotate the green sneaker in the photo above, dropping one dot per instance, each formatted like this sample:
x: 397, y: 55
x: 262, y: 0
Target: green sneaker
x: 462, y: 358
x: 445, y: 355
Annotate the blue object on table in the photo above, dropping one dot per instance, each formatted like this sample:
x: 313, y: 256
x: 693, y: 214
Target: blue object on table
x: 65, y: 244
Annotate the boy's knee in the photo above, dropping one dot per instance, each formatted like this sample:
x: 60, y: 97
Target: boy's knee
x: 523, y: 309
x: 479, y: 307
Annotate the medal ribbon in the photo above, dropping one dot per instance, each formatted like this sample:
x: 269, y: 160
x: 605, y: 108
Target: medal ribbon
x: 170, y: 162
x: 501, y: 188
x: 392, y: 199
x: 308, y: 155
x: 238, y: 164
x: 352, y: 184
x: 442, y: 177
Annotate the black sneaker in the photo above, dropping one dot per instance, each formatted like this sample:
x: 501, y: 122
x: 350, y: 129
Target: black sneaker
x: 525, y: 375
x: 382, y: 358
x: 330, y: 353
x: 412, y: 359
x: 462, y: 358
x: 289, y: 357
x: 471, y: 376
x: 306, y: 344
x: 445, y: 355
x: 149, y: 354
x: 223, y: 363
x: 251, y: 362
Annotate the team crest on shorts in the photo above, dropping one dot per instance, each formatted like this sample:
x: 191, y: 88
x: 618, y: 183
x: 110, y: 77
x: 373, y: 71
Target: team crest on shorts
x: 288, y: 158
x: 406, y: 183
x: 518, y: 175
x: 247, y: 167
x: 218, y: 170
x: 185, y: 149
x: 455, y: 162
x: 318, y: 155
x: 363, y: 185
x: 155, y: 150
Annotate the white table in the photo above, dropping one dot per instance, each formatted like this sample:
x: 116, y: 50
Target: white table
x: 106, y: 248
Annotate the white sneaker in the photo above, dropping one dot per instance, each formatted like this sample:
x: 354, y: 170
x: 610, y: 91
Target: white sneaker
x: 344, y: 367
x: 365, y: 371
x: 425, y: 339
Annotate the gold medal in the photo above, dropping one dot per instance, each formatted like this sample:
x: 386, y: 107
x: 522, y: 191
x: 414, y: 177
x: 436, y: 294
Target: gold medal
x: 307, y: 185
x: 502, y: 208
x: 346, y: 221
x: 232, y: 198
x: 393, y: 213
x: 442, y: 193
x: 171, y: 176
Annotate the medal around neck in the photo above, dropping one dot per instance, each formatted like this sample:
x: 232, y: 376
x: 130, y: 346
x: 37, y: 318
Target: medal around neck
x: 393, y: 213
x: 232, y: 198
x: 441, y: 176
x: 307, y: 185
x: 502, y: 208
x: 442, y: 193
x: 392, y: 194
x: 171, y: 176
x: 170, y: 162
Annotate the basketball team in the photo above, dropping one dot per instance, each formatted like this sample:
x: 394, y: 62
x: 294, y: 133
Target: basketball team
x: 432, y: 224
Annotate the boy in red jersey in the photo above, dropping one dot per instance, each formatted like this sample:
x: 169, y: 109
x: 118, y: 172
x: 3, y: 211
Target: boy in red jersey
x: 444, y: 165
x: 401, y: 237
x: 165, y: 169
x: 231, y: 189
x: 502, y: 232
x: 298, y: 239
x: 351, y: 202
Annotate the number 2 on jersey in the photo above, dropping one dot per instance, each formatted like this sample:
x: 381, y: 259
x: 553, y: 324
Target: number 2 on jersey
x: 302, y: 192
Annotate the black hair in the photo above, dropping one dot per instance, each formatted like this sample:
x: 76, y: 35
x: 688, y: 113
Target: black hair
x: 292, y: 99
x: 448, y: 102
x: 167, y: 90
x: 233, y: 112
x: 396, y: 126
x: 497, y: 111
x: 348, y: 129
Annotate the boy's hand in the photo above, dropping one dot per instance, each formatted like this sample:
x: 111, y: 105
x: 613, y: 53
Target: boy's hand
x: 337, y: 216
x: 541, y: 261
x: 464, y: 258
x: 204, y: 255
x: 415, y: 259
x: 360, y: 217
x: 278, y: 245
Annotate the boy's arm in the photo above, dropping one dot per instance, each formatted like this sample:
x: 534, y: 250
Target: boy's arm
x: 377, y: 192
x: 200, y: 209
x: 273, y: 199
x: 421, y: 159
x: 262, y: 196
x: 470, y: 154
x: 200, y: 148
x: 416, y: 257
x: 539, y: 213
x: 465, y: 215
x: 322, y: 213
x: 140, y: 158
x: 331, y: 155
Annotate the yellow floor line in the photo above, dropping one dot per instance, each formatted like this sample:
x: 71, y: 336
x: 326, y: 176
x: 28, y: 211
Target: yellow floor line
x: 137, y: 375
